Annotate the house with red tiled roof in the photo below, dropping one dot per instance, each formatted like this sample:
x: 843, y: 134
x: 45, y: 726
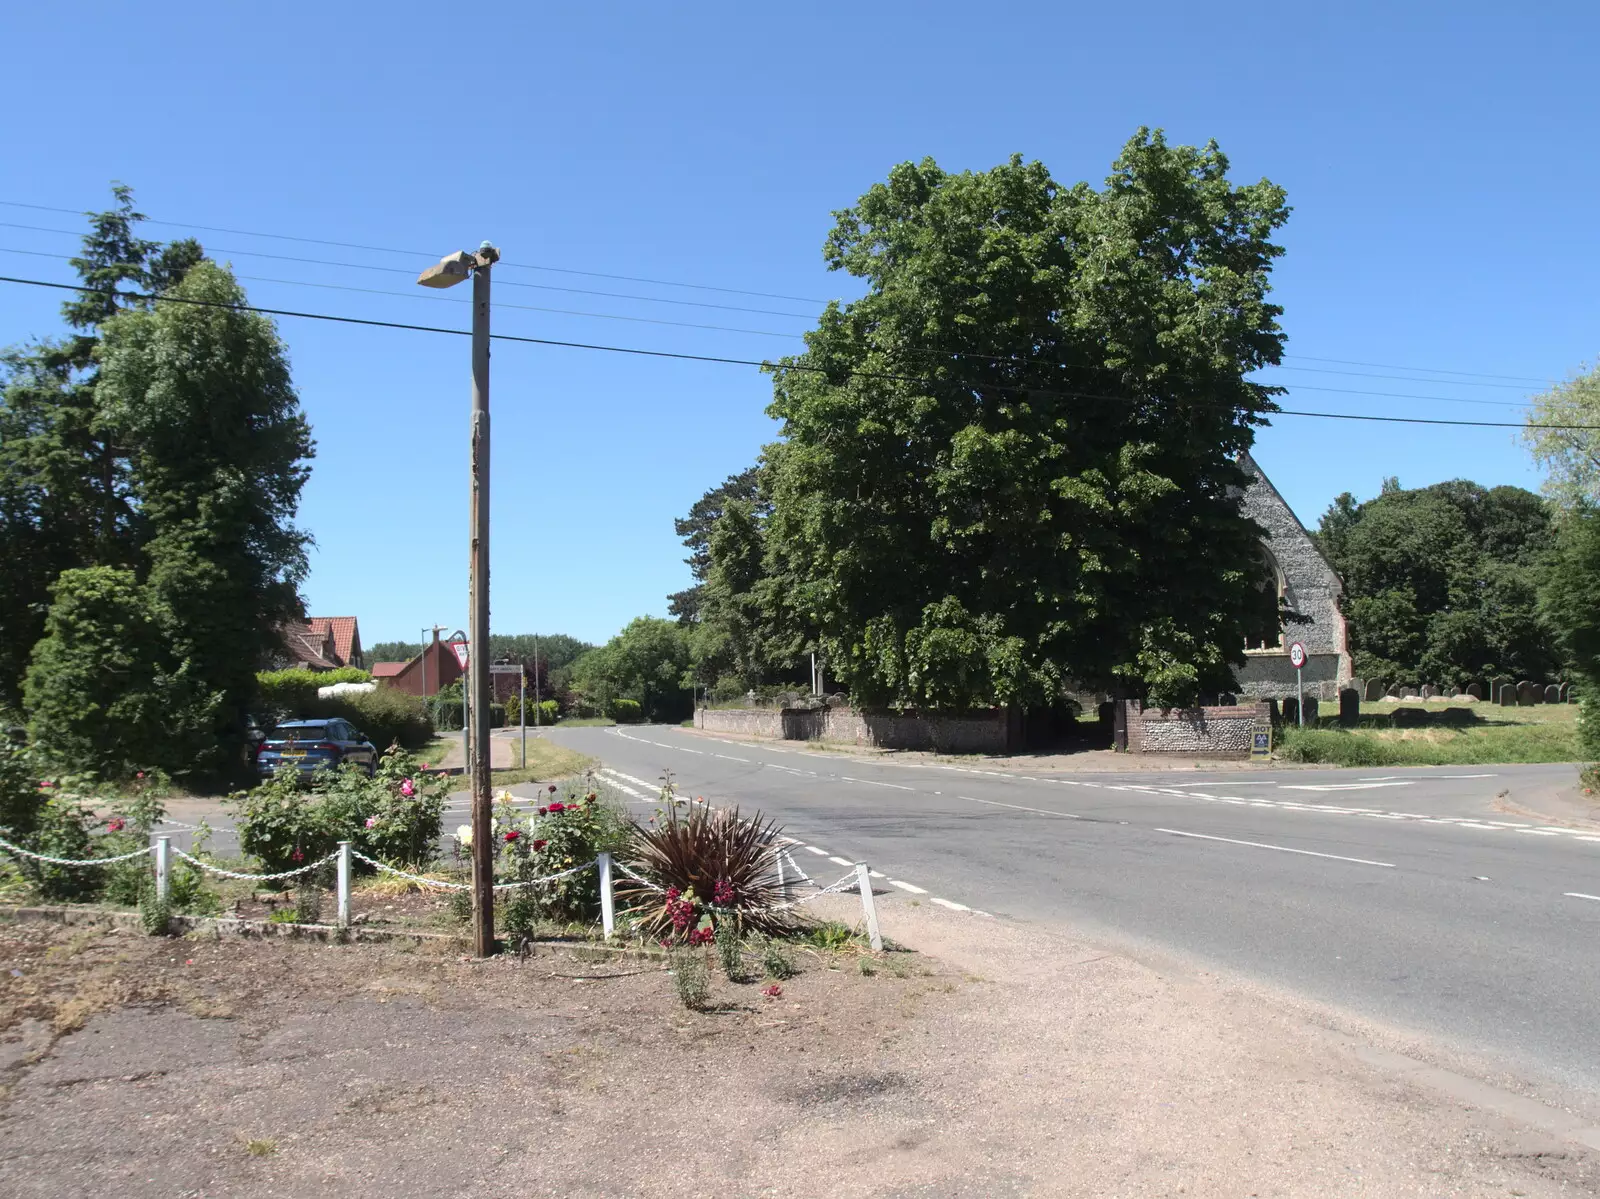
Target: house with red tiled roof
x: 346, y: 634
x: 433, y: 668
x: 321, y: 643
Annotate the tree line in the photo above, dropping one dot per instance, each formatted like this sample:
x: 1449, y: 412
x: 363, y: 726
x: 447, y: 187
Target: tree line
x: 151, y: 464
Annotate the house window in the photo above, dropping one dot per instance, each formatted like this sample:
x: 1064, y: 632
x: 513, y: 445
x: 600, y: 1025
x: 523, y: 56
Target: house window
x: 1265, y: 630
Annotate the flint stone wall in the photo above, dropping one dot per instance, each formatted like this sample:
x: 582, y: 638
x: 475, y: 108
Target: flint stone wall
x: 1216, y: 732
x: 992, y: 732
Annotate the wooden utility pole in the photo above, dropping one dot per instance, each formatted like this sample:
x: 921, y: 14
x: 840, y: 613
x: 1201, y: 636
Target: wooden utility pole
x: 478, y: 632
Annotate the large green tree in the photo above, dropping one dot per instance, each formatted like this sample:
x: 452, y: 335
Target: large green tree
x: 1441, y: 582
x: 65, y: 494
x: 1012, y: 462
x: 199, y: 393
x: 695, y: 530
x: 1570, y: 585
x: 647, y: 662
x: 1563, y: 434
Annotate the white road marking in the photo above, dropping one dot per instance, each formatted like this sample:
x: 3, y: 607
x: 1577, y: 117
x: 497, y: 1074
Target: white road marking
x: 894, y: 882
x: 1568, y: 894
x: 730, y: 758
x: 1310, y: 853
x: 821, y: 853
x: 1342, y: 786
x: 1539, y: 832
x: 841, y: 861
x: 1263, y: 783
x: 954, y: 907
x: 875, y: 783
x: 995, y: 803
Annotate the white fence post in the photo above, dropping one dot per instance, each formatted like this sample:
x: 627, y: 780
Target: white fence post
x: 344, y: 884
x: 608, y: 915
x: 163, y: 874
x: 864, y: 884
x: 783, y: 879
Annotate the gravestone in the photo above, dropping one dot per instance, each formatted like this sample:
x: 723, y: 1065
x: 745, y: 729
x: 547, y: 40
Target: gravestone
x: 1291, y: 711
x: 1310, y: 709
x: 1408, y: 693
x: 1475, y: 690
x: 1527, y: 694
x: 1508, y: 695
x: 1429, y: 691
x: 1552, y: 694
x: 1566, y: 693
x: 1452, y: 692
x: 1374, y: 690
x: 1272, y: 709
x: 1349, y: 707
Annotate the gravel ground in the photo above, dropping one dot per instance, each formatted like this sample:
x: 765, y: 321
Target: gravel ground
x: 1000, y: 1060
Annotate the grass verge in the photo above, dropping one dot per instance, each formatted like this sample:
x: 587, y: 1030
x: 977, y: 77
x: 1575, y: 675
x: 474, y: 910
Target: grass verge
x: 1552, y: 741
x: 546, y: 760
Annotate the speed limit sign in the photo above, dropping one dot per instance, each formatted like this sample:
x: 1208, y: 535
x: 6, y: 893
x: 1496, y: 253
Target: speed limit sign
x: 1297, y: 659
x: 1297, y: 655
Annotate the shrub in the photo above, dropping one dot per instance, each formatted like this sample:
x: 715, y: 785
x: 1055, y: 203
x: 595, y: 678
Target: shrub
x: 569, y: 830
x: 690, y: 977
x: 285, y: 694
x: 388, y: 717
x: 715, y: 866
x: 624, y: 711
x: 776, y: 961
x: 395, y: 816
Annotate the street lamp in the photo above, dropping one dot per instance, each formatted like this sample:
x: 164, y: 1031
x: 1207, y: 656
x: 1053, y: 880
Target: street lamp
x: 447, y: 273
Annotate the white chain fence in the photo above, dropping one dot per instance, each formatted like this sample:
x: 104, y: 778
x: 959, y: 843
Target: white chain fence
x: 255, y: 878
x: 444, y: 885
x: 18, y: 851
x: 844, y: 884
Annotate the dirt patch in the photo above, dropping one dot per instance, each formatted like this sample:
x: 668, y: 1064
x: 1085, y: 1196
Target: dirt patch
x: 1013, y: 1061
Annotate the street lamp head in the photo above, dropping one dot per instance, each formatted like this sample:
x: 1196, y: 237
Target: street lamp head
x: 449, y: 271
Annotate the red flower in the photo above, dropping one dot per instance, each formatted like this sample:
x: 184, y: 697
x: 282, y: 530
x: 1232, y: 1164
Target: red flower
x: 544, y: 811
x: 298, y: 855
x: 115, y: 824
x: 557, y: 807
x: 701, y: 936
x: 722, y: 893
x: 139, y: 775
x: 512, y: 834
x: 538, y: 845
x: 673, y: 893
x: 552, y: 788
x: 773, y: 991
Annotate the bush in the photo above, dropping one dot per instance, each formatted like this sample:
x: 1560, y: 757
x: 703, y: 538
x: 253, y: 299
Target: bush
x: 571, y: 829
x: 714, y: 866
x: 625, y: 711
x: 545, y: 712
x: 388, y: 717
x: 395, y: 816
x: 285, y: 694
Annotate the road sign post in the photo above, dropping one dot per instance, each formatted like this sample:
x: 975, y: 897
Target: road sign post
x: 458, y: 646
x: 1297, y: 659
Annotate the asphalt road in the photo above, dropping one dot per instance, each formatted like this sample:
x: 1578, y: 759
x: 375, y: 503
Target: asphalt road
x: 1402, y: 895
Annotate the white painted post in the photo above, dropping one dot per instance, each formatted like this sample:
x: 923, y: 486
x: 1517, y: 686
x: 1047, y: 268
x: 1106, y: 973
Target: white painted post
x: 864, y: 884
x: 783, y: 879
x: 344, y: 884
x: 608, y: 915
x: 163, y: 874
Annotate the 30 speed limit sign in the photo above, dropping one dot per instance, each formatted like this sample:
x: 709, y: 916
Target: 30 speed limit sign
x: 1297, y: 655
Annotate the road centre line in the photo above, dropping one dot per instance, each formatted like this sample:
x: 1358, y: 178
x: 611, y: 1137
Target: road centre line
x: 954, y: 907
x: 915, y: 890
x: 1310, y: 853
x: 840, y: 861
x: 995, y: 803
x: 1568, y: 894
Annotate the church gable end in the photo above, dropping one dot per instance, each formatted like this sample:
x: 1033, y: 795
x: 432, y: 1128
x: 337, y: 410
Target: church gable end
x: 1309, y: 587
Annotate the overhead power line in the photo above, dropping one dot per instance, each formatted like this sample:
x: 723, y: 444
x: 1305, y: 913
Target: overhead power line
x: 758, y: 363
x: 429, y: 254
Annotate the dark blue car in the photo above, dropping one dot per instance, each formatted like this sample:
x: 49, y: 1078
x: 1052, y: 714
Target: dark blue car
x: 309, y: 745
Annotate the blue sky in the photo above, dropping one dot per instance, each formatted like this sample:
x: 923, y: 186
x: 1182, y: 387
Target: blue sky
x: 1439, y: 159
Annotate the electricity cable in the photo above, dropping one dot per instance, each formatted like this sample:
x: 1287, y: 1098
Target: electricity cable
x: 763, y: 365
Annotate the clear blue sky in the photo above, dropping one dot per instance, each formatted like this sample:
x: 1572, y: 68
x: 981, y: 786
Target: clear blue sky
x: 1439, y: 158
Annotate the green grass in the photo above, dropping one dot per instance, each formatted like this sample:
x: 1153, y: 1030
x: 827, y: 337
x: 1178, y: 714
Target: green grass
x: 546, y: 760
x: 1501, y: 735
x: 585, y: 722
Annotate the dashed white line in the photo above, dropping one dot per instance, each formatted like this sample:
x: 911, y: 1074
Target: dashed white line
x: 945, y: 903
x: 1568, y: 894
x: 995, y: 803
x: 840, y: 861
x: 1310, y: 853
x: 821, y: 853
x: 915, y: 890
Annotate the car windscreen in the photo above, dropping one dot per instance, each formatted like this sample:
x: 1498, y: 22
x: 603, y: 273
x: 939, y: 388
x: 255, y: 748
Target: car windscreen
x: 300, y: 732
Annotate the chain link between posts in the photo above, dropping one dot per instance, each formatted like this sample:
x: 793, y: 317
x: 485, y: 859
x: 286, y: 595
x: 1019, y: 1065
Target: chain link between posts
x: 844, y: 884
x: 18, y: 851
x: 254, y: 878
x: 445, y: 885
